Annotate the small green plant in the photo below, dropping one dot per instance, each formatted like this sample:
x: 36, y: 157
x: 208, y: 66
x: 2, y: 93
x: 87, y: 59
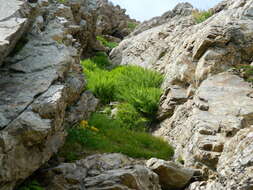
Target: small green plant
x: 246, y: 71
x: 135, y: 75
x: 106, y: 43
x: 62, y: 1
x: 31, y: 185
x: 132, y: 25
x: 201, y: 16
x: 143, y: 99
x: 109, y: 135
x: 130, y: 118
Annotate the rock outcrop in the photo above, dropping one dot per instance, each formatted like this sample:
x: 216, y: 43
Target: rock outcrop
x: 112, y: 20
x: 116, y: 171
x: 13, y: 23
x: 102, y: 171
x: 41, y: 81
x: 171, y: 175
x: 206, y: 109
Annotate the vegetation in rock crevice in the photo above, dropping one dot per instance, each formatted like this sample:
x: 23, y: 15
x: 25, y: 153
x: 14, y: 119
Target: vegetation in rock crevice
x: 107, y: 43
x: 246, y: 72
x: 132, y: 25
x: 135, y: 92
x: 201, y: 16
x: 30, y: 185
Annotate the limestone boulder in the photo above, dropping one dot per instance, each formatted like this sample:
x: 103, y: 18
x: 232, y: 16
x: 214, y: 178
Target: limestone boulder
x: 102, y: 171
x: 113, y: 20
x: 171, y: 175
x: 14, y: 22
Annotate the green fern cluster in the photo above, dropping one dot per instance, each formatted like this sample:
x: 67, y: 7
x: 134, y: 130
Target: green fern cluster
x: 134, y: 85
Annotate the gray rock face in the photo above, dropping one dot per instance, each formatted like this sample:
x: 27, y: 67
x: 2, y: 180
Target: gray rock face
x: 82, y: 109
x: 186, y: 52
x: 36, y: 88
x: 106, y: 171
x: 42, y: 78
x: 13, y: 24
x: 182, y: 9
x: 112, y: 20
x: 171, y: 175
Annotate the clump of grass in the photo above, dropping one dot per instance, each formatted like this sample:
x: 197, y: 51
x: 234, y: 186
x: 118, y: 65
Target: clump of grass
x: 110, y: 136
x: 130, y: 118
x: 102, y: 85
x: 132, y: 25
x: 106, y: 43
x: 246, y: 71
x: 201, y: 16
x: 30, y: 185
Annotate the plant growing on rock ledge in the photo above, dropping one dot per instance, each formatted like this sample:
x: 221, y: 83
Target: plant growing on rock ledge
x: 106, y: 43
x: 246, y: 72
x: 132, y: 25
x: 201, y: 16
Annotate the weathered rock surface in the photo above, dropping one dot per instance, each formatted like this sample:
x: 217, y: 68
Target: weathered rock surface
x: 102, y: 171
x: 13, y: 24
x: 182, y: 9
x: 36, y: 88
x: 42, y: 78
x: 112, y: 20
x: 200, y: 127
x: 186, y: 52
x: 82, y: 109
x: 171, y: 175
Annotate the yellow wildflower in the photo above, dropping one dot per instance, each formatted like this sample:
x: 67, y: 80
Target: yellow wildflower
x: 84, y: 124
x: 94, y: 129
